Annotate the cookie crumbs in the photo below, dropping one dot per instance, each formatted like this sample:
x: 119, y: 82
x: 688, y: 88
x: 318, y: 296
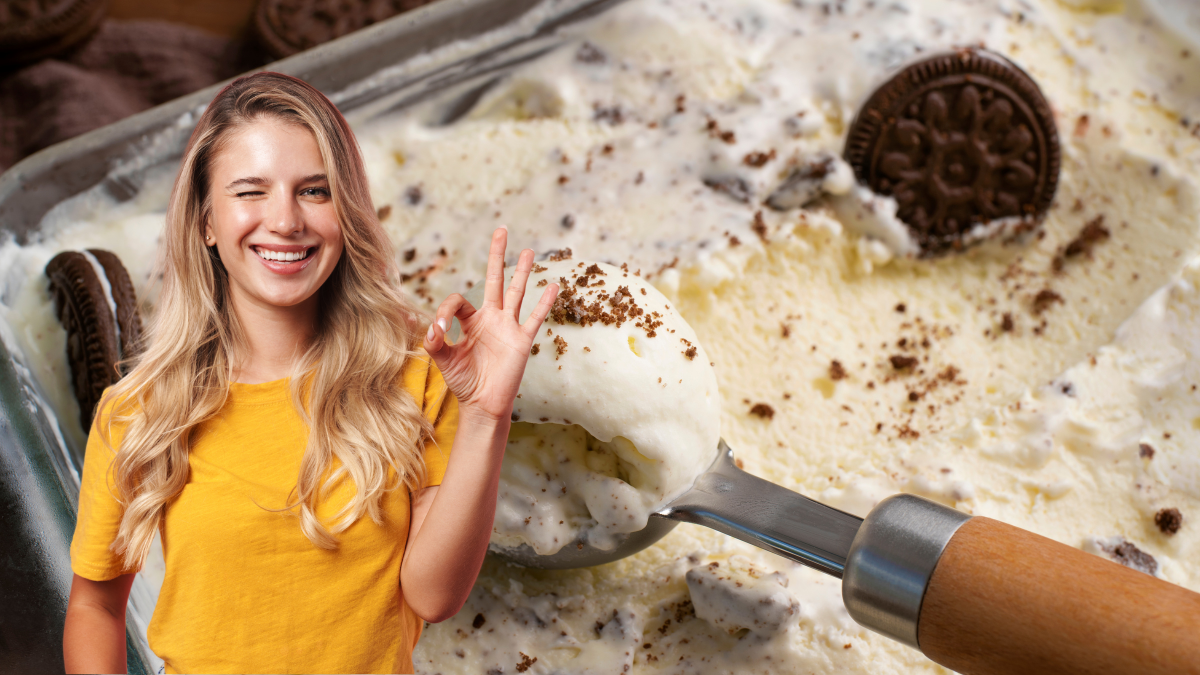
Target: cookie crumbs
x: 715, y: 131
x: 413, y: 195
x: 410, y: 254
x: 539, y: 269
x: 759, y: 226
x: 563, y: 254
x: 837, y: 371
x: 763, y: 410
x: 537, y: 347
x: 1006, y: 322
x: 1145, y: 451
x: 690, y: 352
x: 732, y: 186
x: 383, y: 212
x: 480, y: 619
x: 758, y: 159
x: 590, y: 53
x: 613, y: 115
x: 1092, y: 233
x: 900, y: 308
x: 525, y: 663
x: 1044, y: 299
x: 902, y: 362
x: 1168, y: 520
x: 785, y: 329
x: 542, y: 282
x: 1131, y: 556
x: 560, y: 346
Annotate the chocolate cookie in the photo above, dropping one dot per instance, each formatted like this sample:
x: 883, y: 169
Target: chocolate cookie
x: 34, y: 29
x: 289, y: 26
x: 958, y: 140
x: 96, y: 304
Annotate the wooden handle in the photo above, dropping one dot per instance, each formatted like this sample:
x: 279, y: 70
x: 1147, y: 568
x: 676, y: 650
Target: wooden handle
x: 1004, y: 600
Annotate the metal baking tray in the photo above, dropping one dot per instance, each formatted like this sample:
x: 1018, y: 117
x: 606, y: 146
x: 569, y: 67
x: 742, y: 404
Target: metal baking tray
x: 369, y: 73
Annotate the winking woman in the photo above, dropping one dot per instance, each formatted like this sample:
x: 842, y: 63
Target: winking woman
x: 321, y: 468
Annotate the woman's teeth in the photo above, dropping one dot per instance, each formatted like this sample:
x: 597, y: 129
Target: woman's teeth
x: 279, y: 256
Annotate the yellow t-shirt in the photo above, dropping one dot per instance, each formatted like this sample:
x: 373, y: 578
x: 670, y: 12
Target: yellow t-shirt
x: 244, y: 590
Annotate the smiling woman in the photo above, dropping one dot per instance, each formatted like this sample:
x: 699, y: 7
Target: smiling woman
x: 283, y: 396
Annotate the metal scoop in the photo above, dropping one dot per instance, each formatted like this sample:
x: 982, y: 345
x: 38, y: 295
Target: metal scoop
x: 728, y: 500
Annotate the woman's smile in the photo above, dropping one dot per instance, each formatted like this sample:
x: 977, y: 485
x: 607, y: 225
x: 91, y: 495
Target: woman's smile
x: 285, y: 259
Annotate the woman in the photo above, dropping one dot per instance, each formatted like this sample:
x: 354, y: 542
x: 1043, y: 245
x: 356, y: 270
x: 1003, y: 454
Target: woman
x: 282, y: 430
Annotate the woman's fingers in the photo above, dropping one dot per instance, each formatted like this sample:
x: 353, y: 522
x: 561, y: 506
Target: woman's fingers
x: 539, y: 313
x: 493, y: 288
x: 453, y: 306
x: 516, y: 290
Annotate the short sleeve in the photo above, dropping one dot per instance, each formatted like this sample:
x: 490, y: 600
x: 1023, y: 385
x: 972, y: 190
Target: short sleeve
x: 100, y: 513
x: 423, y: 379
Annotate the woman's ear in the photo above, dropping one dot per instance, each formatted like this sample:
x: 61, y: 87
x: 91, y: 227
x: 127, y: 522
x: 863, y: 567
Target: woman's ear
x: 209, y: 238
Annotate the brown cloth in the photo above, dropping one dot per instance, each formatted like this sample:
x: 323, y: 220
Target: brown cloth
x: 126, y: 67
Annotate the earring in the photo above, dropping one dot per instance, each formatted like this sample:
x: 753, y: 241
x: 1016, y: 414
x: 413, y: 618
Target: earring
x: 206, y: 237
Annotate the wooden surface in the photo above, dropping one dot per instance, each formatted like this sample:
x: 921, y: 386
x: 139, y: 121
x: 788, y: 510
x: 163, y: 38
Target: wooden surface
x: 1004, y: 600
x: 229, y: 18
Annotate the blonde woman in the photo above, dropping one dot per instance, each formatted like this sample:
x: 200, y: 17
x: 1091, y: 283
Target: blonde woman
x: 320, y: 486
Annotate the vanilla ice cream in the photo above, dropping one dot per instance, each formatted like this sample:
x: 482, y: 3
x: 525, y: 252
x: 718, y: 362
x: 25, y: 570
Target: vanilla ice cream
x: 1048, y: 381
x: 618, y: 412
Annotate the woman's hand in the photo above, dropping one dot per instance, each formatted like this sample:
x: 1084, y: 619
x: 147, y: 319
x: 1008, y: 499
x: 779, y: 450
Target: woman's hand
x: 484, y: 369
x: 452, y: 522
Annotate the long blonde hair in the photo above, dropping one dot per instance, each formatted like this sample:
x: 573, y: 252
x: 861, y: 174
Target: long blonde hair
x: 346, y: 387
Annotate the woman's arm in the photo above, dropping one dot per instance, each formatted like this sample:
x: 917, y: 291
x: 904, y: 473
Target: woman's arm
x: 448, y: 541
x: 451, y: 525
x: 94, y: 633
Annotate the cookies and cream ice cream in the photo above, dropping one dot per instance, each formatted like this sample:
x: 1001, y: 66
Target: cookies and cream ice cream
x: 1047, y: 380
x: 618, y: 412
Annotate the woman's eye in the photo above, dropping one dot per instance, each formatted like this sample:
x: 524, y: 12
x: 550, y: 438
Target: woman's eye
x: 249, y: 194
x: 315, y: 192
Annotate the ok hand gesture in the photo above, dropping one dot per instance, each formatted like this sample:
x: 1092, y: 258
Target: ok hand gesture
x: 484, y: 369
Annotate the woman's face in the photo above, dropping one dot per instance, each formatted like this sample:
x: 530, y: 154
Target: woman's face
x: 272, y: 217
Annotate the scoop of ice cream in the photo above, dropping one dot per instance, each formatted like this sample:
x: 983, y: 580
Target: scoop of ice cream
x: 618, y: 412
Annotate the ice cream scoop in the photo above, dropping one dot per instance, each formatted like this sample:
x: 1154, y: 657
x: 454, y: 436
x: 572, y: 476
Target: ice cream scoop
x: 971, y: 593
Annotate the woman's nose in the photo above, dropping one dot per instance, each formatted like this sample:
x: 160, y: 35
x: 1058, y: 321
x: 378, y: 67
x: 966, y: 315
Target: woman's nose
x: 285, y: 216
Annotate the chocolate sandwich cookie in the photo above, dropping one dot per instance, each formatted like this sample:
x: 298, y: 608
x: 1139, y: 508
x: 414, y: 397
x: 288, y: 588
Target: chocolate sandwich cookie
x: 959, y: 140
x: 286, y: 27
x: 34, y: 29
x: 96, y: 304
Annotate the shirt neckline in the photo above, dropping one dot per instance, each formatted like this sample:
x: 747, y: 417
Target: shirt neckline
x: 263, y: 392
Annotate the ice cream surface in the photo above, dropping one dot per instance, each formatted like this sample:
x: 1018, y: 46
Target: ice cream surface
x: 618, y: 412
x: 1047, y: 381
